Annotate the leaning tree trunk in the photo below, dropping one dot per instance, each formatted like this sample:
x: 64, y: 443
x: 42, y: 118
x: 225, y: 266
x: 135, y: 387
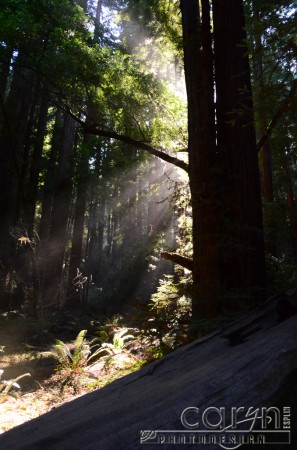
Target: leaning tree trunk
x: 242, y: 245
x: 250, y: 366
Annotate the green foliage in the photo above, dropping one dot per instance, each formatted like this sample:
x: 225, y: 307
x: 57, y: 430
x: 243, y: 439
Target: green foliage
x: 121, y: 339
x: 155, y: 19
x: 170, y: 311
x: 78, y: 355
x: 282, y: 273
x: 53, y: 39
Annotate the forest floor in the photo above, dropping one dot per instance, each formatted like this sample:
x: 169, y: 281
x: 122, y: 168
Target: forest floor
x: 48, y: 385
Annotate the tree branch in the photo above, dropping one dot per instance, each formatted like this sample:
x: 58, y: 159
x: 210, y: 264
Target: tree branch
x: 160, y: 153
x: 278, y: 115
x: 138, y: 144
x: 92, y: 129
x: 187, y: 263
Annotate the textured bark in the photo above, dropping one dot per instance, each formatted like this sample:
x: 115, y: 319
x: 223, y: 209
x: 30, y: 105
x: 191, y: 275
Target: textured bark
x: 251, y: 364
x: 202, y: 155
x: 242, y: 246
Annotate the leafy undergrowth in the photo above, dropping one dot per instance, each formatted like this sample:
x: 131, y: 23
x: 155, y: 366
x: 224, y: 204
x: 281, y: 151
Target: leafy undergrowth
x: 53, y: 392
x: 65, y: 361
x: 62, y: 372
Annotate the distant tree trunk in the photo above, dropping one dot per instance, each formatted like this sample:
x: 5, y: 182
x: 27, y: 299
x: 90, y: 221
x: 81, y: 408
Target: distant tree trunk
x: 33, y: 181
x: 53, y: 265
x: 140, y: 208
x: 243, y: 265
x: 98, y: 20
x: 26, y: 156
x: 50, y: 180
x: 78, y: 225
x: 266, y: 164
x: 96, y: 223
x: 75, y: 263
x: 268, y: 196
x: 94, y: 257
x: 5, y: 58
x: 291, y: 205
x: 109, y: 232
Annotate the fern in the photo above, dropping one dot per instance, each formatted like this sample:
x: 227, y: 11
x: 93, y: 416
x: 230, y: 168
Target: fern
x: 120, y: 339
x: 82, y: 352
x: 6, y: 386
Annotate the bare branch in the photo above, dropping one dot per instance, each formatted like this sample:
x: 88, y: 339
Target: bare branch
x: 160, y: 153
x: 278, y: 115
x: 138, y: 144
x: 187, y: 263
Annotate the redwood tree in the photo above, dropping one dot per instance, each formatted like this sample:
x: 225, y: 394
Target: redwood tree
x: 228, y: 248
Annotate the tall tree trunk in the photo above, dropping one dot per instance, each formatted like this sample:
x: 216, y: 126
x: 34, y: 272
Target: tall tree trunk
x: 15, y: 115
x: 198, y: 64
x: 228, y: 247
x: 243, y: 264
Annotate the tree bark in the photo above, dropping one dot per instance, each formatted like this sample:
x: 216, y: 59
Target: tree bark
x: 15, y: 113
x: 242, y: 246
x: 198, y: 64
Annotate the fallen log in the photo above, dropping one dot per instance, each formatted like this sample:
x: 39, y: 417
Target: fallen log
x: 217, y: 387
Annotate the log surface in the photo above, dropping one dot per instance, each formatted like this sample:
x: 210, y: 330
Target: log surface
x: 251, y: 363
